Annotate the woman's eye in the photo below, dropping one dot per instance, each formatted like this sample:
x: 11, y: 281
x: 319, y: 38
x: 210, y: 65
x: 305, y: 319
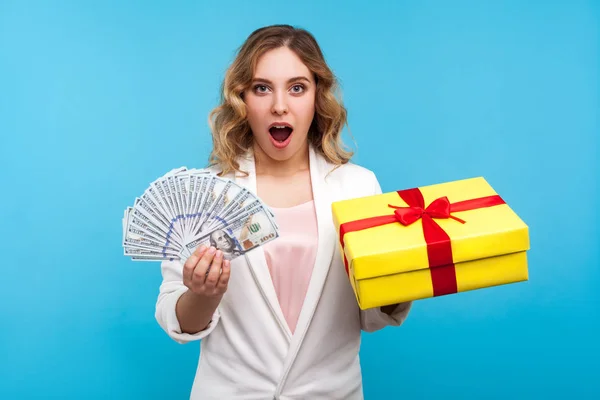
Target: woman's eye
x: 260, y: 88
x: 297, y: 88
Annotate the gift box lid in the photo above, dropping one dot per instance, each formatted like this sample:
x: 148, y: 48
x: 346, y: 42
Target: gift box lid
x: 393, y: 247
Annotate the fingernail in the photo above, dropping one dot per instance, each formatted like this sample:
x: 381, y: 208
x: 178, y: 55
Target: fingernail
x: 219, y: 254
x: 212, y: 250
x: 202, y: 248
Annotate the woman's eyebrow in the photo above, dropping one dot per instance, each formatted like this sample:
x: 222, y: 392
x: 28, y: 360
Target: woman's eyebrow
x: 294, y: 79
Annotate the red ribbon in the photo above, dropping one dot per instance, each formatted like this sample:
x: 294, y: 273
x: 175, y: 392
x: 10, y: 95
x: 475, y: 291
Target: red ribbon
x: 439, y: 248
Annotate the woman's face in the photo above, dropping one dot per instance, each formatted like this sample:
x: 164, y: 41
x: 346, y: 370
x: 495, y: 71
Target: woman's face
x: 281, y: 104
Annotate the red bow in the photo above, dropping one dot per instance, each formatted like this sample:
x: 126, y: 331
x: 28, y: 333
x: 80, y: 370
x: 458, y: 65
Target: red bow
x: 439, y: 208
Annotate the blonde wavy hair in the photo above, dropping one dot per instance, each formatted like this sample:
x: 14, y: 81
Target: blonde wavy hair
x: 230, y: 130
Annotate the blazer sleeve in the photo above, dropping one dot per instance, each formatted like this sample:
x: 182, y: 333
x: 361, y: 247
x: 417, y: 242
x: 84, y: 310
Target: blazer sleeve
x: 374, y: 319
x: 170, y: 291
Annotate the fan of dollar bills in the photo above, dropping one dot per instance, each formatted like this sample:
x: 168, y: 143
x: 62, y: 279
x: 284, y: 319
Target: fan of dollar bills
x: 187, y: 208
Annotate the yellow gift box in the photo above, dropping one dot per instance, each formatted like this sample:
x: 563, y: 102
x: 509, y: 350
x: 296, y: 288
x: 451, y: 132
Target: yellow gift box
x: 430, y: 241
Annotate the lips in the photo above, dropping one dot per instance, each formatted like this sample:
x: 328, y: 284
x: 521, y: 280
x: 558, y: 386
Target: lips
x: 280, y: 131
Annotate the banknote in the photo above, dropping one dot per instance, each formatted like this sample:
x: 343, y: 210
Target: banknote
x: 237, y: 237
x: 185, y: 208
x: 214, y: 193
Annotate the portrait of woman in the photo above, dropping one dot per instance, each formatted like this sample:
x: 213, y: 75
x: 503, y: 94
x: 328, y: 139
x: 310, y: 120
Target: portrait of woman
x: 281, y: 322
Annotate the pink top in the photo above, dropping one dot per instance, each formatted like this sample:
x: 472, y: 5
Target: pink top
x: 291, y: 257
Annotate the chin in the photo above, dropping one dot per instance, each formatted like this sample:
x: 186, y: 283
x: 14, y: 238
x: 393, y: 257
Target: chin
x: 278, y: 153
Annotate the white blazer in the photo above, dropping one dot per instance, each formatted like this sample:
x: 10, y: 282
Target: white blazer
x: 248, y: 351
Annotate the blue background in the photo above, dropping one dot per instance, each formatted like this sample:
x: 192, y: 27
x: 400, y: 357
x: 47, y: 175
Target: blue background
x: 97, y: 99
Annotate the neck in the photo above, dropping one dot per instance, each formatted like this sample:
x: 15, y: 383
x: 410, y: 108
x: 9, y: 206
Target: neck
x: 265, y: 165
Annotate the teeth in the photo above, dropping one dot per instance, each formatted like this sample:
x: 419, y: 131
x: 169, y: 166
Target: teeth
x: 280, y: 126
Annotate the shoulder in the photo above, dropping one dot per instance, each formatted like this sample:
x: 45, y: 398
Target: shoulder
x: 218, y: 171
x: 352, y: 180
x: 351, y: 170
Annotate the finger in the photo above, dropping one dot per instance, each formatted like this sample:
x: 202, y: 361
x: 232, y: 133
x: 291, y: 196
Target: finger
x: 190, y: 264
x: 196, y: 255
x: 202, y: 267
x: 224, y: 278
x: 215, y: 270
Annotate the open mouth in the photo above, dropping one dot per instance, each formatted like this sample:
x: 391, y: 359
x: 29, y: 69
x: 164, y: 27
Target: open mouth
x: 280, y: 133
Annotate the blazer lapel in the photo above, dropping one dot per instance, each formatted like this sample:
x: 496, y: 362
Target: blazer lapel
x: 326, y: 246
x: 325, y: 251
x: 256, y: 259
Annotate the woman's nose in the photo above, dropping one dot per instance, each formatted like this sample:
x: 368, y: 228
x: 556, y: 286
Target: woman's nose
x: 279, y: 104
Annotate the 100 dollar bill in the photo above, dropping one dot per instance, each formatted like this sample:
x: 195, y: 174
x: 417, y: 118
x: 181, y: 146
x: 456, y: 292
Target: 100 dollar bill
x: 243, y: 234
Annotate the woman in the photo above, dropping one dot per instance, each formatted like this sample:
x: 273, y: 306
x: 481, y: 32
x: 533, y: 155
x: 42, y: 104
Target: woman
x: 282, y: 321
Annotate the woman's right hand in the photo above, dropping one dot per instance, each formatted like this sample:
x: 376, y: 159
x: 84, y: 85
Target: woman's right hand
x: 210, y: 285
